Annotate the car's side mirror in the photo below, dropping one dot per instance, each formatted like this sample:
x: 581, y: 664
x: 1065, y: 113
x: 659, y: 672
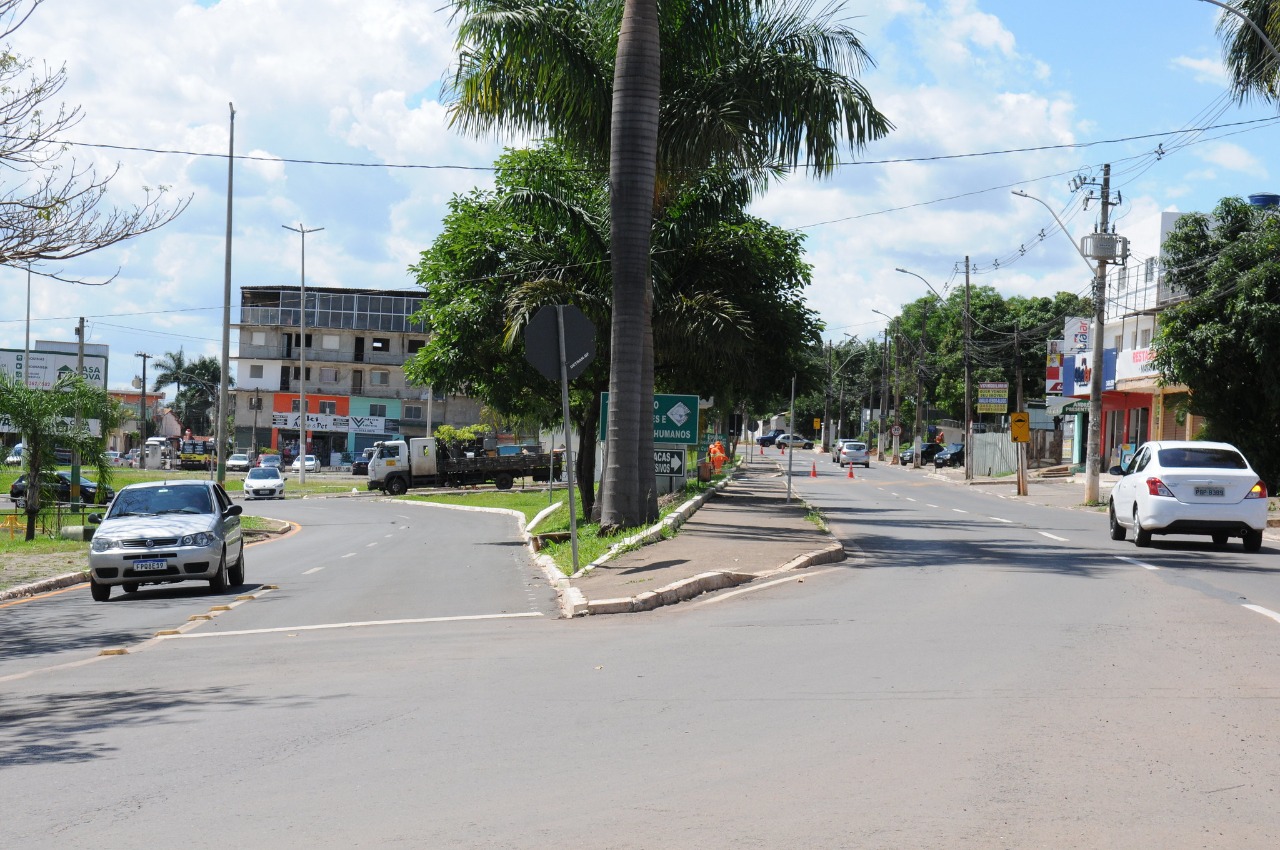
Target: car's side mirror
x: 1117, y: 470
x: 234, y: 510
x: 94, y: 519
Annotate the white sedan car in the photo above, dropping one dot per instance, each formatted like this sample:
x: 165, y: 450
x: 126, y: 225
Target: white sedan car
x: 1186, y: 487
x: 264, y: 482
x: 853, y: 453
x: 312, y: 462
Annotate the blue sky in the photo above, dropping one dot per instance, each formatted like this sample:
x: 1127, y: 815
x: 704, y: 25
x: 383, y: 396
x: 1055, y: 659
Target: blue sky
x: 332, y: 80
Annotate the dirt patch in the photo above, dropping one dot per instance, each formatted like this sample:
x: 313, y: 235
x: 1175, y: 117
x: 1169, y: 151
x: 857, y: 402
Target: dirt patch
x: 24, y: 569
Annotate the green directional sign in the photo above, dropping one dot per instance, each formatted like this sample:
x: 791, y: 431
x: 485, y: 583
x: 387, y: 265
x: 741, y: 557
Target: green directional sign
x: 675, y: 418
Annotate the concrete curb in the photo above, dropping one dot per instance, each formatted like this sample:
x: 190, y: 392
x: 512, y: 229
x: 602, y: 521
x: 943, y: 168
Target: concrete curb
x: 44, y: 585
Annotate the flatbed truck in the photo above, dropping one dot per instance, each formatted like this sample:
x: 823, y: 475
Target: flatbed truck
x: 398, y: 465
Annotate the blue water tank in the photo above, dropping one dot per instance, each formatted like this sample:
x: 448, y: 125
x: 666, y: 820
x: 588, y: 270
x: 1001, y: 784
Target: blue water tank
x: 1264, y: 199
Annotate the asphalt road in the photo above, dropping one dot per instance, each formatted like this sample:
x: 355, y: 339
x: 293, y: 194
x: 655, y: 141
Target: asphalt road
x: 981, y: 673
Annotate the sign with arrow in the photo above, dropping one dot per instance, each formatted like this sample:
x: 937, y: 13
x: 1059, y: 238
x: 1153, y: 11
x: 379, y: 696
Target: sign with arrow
x: 668, y: 461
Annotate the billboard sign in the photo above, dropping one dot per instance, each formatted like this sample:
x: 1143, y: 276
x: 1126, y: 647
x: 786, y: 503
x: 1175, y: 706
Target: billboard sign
x: 43, y: 368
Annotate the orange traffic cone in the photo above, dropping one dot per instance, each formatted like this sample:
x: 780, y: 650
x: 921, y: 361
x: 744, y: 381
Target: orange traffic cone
x: 813, y: 473
x: 762, y: 450
x: 850, y: 470
x: 782, y: 447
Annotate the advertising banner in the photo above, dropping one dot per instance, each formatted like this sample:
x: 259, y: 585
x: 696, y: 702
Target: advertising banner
x: 44, y: 367
x: 993, y: 397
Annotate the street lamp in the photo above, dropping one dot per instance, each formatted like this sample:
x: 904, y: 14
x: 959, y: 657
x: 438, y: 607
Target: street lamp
x: 924, y: 346
x: 302, y: 352
x: 884, y: 388
x: 1093, y: 465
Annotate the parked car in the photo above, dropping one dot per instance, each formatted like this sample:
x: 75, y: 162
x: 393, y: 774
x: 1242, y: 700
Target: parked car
x: 62, y: 455
x: 159, y: 532
x: 928, y: 452
x: 15, y: 456
x: 115, y: 459
x: 57, y: 488
x: 311, y: 461
x: 130, y: 458
x: 1188, y: 487
x: 269, y: 460
x: 238, y: 463
x: 853, y: 453
x: 793, y: 441
x: 360, y: 466
x: 264, y: 482
x: 952, y: 455
x: 769, y: 438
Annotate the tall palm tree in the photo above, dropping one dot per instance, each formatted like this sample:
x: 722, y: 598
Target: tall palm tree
x: 758, y: 85
x: 170, y: 370
x: 1254, y: 65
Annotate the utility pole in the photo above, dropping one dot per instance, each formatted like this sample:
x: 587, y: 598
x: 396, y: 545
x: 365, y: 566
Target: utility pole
x: 302, y: 353
x: 884, y: 394
x: 75, y: 452
x: 1093, y: 471
x: 826, y: 404
x: 1018, y: 402
x: 142, y: 413
x: 224, y: 383
x: 968, y: 383
x: 918, y: 440
x: 897, y: 390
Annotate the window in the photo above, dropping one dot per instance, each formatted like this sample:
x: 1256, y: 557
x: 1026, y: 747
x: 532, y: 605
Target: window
x: 1146, y: 338
x: 332, y: 342
x: 380, y: 343
x: 378, y: 410
x: 258, y: 338
x: 413, y: 411
x: 255, y: 402
x: 295, y: 407
x: 328, y: 376
x: 414, y: 345
x: 255, y: 371
x: 297, y: 342
x: 1119, y: 342
x: 329, y: 407
x: 379, y: 378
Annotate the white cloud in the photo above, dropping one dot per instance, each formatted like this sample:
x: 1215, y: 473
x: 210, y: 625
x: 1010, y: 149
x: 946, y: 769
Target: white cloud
x: 1232, y: 157
x: 1209, y: 71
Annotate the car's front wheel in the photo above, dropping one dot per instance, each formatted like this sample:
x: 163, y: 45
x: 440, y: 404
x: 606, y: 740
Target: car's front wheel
x: 99, y: 592
x: 237, y: 569
x: 1117, y: 530
x: 218, y: 584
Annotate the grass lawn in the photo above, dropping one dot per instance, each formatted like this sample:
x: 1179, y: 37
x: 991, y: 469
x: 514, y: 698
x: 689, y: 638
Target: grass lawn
x: 591, y: 543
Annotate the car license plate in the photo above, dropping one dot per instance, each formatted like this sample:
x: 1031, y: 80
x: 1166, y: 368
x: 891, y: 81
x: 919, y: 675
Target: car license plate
x: 1211, y: 491
x: 150, y: 566
x: 262, y: 492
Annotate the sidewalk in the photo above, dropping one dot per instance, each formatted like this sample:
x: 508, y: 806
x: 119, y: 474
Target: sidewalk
x: 745, y: 532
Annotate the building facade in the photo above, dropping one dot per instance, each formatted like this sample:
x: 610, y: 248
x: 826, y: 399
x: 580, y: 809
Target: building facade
x: 355, y: 346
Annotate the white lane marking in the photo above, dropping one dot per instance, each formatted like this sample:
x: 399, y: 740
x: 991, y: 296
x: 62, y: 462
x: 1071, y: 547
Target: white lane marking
x: 349, y: 555
x: 374, y: 543
x: 313, y: 570
x: 324, y: 626
x: 1266, y: 612
x: 999, y: 519
x: 388, y: 535
x: 1052, y: 536
x: 1137, y: 563
x: 720, y: 597
x: 957, y: 510
x: 895, y: 495
x: 909, y: 499
x: 930, y: 506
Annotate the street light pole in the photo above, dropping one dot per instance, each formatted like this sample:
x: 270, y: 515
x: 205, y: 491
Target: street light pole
x: 918, y: 443
x: 220, y: 433
x: 884, y: 387
x: 302, y: 352
x: 1093, y: 462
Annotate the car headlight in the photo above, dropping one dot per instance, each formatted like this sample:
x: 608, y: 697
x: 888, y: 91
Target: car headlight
x: 202, y: 538
x: 103, y: 543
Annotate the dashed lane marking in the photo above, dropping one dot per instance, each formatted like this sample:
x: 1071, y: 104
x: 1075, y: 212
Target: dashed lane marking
x: 1136, y: 562
x: 313, y: 570
x: 1000, y: 519
x: 349, y: 555
x: 1052, y: 536
x: 355, y: 625
x: 1266, y: 612
x: 957, y: 510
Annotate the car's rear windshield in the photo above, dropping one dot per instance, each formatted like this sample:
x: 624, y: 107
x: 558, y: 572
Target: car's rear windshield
x: 1205, y: 458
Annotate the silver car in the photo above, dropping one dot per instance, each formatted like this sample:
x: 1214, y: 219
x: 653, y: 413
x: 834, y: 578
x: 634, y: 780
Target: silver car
x: 853, y: 453
x: 159, y: 532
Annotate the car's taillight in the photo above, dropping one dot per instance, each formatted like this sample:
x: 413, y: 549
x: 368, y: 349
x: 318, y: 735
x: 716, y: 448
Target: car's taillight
x: 1156, y: 487
x: 1259, y: 491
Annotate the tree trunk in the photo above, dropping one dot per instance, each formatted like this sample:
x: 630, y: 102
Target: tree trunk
x: 585, y: 462
x: 629, y: 497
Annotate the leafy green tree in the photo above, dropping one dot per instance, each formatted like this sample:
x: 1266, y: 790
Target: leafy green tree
x: 754, y: 85
x: 170, y: 371
x: 1254, y: 67
x: 46, y: 420
x: 729, y: 316
x: 1223, y: 342
x: 196, y: 404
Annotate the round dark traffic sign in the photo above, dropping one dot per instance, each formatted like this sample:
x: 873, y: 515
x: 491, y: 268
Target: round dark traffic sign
x: 542, y: 341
